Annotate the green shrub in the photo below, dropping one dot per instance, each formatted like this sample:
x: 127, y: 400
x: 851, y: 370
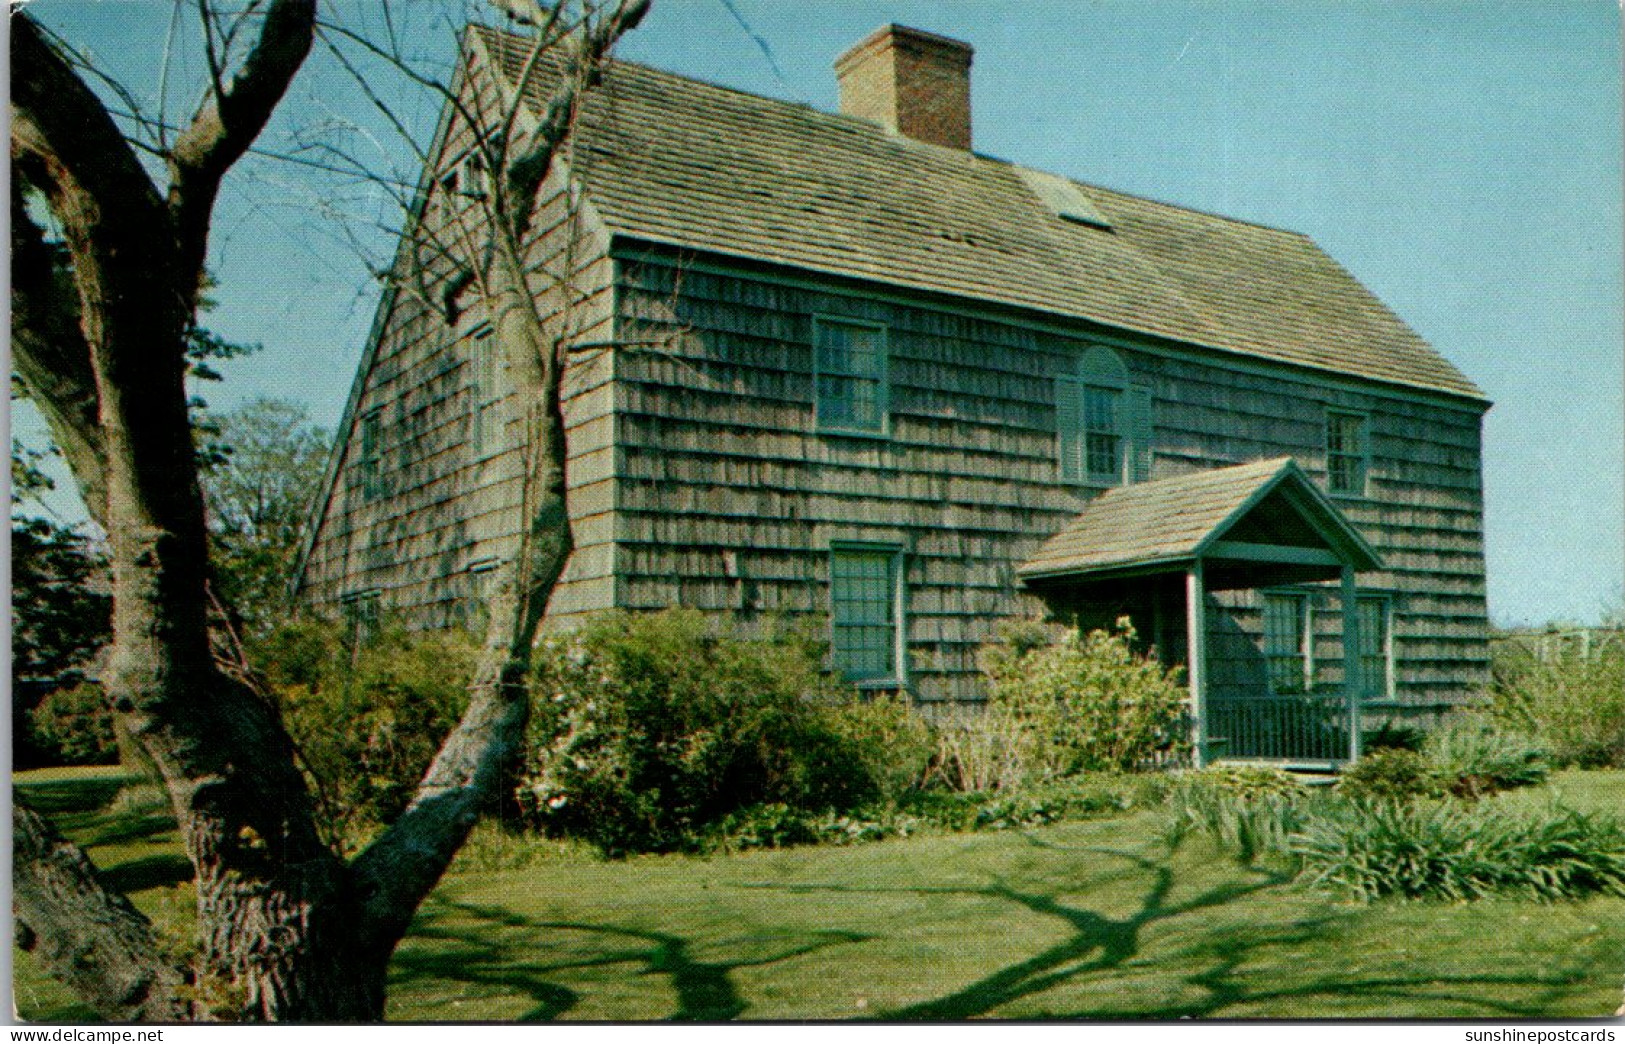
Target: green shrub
x: 1245, y: 781
x: 1572, y: 702
x: 1088, y: 703
x: 1247, y: 812
x: 890, y: 743
x: 1452, y: 851
x: 76, y: 725
x: 1389, y: 736
x: 1474, y: 759
x: 1391, y: 774
x: 367, y: 721
x: 650, y: 729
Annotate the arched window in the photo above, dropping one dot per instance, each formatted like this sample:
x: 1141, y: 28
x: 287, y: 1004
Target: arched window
x: 1102, y: 422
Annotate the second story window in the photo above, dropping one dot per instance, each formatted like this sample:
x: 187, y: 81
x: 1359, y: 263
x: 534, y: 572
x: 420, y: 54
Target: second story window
x: 1102, y: 443
x: 485, y: 395
x: 1348, y: 454
x: 369, y: 462
x: 1102, y: 423
x: 849, y: 370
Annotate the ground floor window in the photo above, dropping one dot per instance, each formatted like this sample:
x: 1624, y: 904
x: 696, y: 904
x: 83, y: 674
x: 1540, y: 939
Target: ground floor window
x: 866, y: 612
x: 1375, y: 646
x: 1288, y: 645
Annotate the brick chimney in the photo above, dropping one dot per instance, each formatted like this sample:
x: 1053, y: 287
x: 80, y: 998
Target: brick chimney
x: 912, y: 82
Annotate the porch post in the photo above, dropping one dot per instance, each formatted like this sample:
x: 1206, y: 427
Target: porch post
x: 1196, y: 656
x: 1351, y: 659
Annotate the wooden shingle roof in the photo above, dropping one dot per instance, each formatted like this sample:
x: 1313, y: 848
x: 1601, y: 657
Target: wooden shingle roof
x: 1179, y: 519
x: 676, y: 161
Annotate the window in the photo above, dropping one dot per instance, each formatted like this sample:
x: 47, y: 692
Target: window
x: 849, y: 369
x: 361, y: 614
x: 1376, y: 659
x: 1102, y: 423
x: 1347, y: 453
x: 485, y: 394
x: 1102, y: 445
x: 866, y: 617
x: 1287, y: 643
x: 369, y: 462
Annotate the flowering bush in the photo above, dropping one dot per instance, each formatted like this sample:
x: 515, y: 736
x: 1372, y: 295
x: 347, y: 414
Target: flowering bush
x: 1088, y: 702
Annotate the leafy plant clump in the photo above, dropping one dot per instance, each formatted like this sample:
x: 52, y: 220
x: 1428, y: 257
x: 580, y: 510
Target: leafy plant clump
x: 1412, y: 849
x: 1474, y: 758
x: 1570, y: 699
x: 1392, y: 774
x: 1084, y: 702
x: 648, y: 730
x: 368, y: 718
x: 1245, y: 811
x: 1450, y: 851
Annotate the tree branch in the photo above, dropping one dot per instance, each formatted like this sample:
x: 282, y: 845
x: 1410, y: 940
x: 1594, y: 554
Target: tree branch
x: 91, y: 938
x: 229, y: 120
x: 530, y: 167
x: 50, y: 356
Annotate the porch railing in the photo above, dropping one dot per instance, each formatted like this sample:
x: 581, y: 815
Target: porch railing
x: 1310, y: 727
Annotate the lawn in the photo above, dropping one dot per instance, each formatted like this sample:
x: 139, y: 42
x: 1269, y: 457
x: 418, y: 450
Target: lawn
x: 1092, y: 919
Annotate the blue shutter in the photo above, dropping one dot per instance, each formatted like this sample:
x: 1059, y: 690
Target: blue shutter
x: 1141, y: 433
x: 1069, y: 429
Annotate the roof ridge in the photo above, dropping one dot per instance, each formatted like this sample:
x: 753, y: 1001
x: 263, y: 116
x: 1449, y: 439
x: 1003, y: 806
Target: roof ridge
x: 790, y: 183
x: 881, y: 133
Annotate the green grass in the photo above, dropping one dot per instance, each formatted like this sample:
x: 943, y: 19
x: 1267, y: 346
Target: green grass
x: 1080, y: 920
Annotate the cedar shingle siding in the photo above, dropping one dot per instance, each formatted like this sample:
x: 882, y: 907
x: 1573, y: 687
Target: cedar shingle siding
x: 718, y: 227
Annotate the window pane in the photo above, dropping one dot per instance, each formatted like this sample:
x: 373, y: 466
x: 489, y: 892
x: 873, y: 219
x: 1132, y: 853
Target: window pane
x: 1104, y: 455
x: 1100, y: 409
x: 849, y: 402
x: 1345, y: 474
x: 853, y: 350
x: 1345, y: 453
x: 1089, y: 421
x: 1373, y: 646
x: 1284, y: 646
x: 863, y: 603
x: 851, y: 364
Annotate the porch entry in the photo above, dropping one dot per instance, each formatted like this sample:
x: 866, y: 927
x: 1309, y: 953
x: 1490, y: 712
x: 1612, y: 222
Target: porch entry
x: 1172, y: 555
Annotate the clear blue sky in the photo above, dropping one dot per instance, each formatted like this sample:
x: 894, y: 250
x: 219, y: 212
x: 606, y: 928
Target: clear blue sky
x: 1463, y: 159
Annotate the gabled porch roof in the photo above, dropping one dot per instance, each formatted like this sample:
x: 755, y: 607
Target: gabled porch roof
x: 1252, y: 524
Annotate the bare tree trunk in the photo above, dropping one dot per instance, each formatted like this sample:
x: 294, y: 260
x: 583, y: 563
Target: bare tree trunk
x: 286, y: 929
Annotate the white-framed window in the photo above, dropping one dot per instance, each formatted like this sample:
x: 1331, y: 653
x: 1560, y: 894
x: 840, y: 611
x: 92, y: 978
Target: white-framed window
x: 1348, y: 453
x: 849, y: 375
x: 1289, y: 649
x: 485, y: 393
x: 866, y: 603
x: 1102, y: 423
x: 369, y: 461
x: 1376, y: 646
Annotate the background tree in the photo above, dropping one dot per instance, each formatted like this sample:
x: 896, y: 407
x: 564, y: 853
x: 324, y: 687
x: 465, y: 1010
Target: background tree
x: 286, y: 928
x: 259, y: 484
x: 61, y: 612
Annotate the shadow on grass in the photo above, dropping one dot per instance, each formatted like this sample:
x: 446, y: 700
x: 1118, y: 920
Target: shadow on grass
x: 474, y: 949
x: 59, y: 796
x: 153, y: 871
x: 1215, y: 962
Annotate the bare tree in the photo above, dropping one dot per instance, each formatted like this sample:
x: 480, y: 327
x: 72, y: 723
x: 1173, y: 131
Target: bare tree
x: 287, y: 929
x: 467, y: 245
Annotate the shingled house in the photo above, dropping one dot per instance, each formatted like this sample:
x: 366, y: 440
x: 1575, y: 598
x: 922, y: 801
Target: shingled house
x: 846, y: 365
